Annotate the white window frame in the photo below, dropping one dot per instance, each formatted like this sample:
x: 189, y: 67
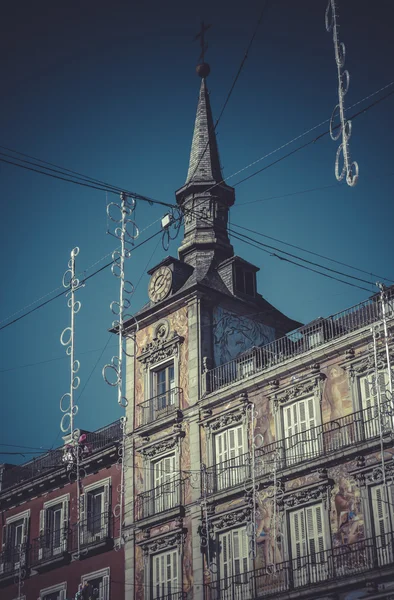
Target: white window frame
x: 234, y: 562
x: 107, y: 490
x: 169, y: 500
x: 230, y: 452
x: 368, y: 403
x: 382, y: 520
x: 173, y: 555
x: 306, y: 446
x: 58, y: 588
x: 64, y: 501
x: 22, y: 516
x: 311, y: 522
x: 105, y: 575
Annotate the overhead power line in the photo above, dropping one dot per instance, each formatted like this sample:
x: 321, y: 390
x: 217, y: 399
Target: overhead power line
x: 380, y: 277
x: 67, y: 289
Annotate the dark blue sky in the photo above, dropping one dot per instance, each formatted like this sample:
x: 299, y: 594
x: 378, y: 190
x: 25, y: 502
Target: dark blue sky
x: 109, y: 89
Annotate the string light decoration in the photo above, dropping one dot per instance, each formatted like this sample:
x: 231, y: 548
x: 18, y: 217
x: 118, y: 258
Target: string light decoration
x: 72, y: 448
x: 19, y: 579
x: 250, y: 485
x: 350, y: 169
x: 126, y: 231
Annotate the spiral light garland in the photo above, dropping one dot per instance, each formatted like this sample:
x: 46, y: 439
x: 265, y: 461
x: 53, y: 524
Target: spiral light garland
x: 349, y: 169
x: 126, y: 231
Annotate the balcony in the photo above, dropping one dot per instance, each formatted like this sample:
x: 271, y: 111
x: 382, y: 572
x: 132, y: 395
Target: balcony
x: 95, y: 530
x: 11, y: 561
x: 49, y: 547
x: 52, y: 461
x: 159, y: 500
x: 294, y: 344
x: 321, y: 567
x: 321, y: 441
x: 160, y: 406
x: 229, y: 473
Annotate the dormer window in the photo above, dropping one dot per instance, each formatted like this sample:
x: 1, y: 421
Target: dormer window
x: 244, y: 281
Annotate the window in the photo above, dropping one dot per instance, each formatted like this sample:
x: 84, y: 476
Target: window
x: 382, y: 497
x: 165, y: 484
x: 163, y: 388
x: 98, y: 584
x: 234, y: 563
x: 95, y: 513
x: 230, y: 449
x: 302, y: 438
x: 55, y: 592
x: 369, y: 401
x: 53, y: 528
x: 309, y: 561
x: 14, y: 540
x: 244, y: 281
x: 165, y: 579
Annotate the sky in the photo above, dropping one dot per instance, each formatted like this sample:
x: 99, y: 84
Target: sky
x: 110, y: 90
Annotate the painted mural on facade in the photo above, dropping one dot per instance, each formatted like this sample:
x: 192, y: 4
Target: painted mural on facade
x: 234, y: 334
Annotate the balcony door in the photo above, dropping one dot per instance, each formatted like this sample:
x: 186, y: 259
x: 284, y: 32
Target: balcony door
x: 302, y: 437
x: 235, y: 580
x: 163, y: 388
x: 382, y: 497
x: 165, y: 575
x: 96, y: 514
x: 370, y: 402
x: 231, y: 469
x: 308, y: 551
x: 165, y: 484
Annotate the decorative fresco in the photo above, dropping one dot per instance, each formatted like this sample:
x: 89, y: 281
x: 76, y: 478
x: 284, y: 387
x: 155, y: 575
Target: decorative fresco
x: 346, y: 516
x: 234, y: 334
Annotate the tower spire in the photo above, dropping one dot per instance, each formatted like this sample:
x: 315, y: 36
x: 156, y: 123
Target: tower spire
x: 205, y: 199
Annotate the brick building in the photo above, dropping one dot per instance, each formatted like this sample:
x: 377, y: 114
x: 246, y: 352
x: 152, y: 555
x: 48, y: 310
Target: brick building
x: 261, y: 450
x: 45, y: 554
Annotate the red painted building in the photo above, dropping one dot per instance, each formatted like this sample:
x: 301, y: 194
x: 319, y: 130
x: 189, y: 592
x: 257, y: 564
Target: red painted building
x: 45, y: 553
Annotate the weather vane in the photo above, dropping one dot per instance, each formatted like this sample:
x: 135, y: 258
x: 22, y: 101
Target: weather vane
x: 201, y: 37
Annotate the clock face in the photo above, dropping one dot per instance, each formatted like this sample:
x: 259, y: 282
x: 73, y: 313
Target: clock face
x: 160, y: 284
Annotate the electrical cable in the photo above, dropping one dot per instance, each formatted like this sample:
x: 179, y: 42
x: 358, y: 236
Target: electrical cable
x: 295, y: 256
x: 315, y: 253
x: 82, y: 282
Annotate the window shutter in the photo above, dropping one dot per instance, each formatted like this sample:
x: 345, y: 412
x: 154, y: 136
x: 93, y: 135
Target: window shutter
x: 66, y: 521
x: 225, y: 556
x: 380, y: 511
x: 174, y: 571
x: 82, y: 515
x: 298, y: 535
x: 240, y: 551
x: 4, y: 547
x: 105, y: 595
x: 105, y: 516
x: 315, y: 533
x: 62, y: 595
x: 221, y: 447
x: 42, y: 533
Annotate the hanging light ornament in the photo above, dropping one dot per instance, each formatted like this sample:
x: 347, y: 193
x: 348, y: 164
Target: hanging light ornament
x: 344, y: 129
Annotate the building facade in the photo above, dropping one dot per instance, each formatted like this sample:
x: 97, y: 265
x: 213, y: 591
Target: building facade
x: 46, y: 553
x: 260, y: 451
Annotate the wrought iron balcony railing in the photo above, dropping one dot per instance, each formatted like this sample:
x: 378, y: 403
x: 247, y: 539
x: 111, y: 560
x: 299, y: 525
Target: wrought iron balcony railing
x: 11, y: 560
x: 160, y: 499
x: 93, y: 530
x: 319, y: 567
x: 229, y: 473
x: 295, y: 343
x: 51, y: 545
x: 96, y: 441
x: 315, y: 442
x: 160, y: 406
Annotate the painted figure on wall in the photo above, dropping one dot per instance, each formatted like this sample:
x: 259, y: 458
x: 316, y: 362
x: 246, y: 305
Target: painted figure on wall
x: 234, y: 334
x: 347, y: 522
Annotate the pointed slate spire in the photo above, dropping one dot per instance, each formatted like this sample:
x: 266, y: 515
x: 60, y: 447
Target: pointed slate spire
x: 205, y: 198
x: 204, y: 164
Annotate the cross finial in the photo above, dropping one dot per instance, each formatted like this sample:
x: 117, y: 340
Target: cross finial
x: 203, y: 45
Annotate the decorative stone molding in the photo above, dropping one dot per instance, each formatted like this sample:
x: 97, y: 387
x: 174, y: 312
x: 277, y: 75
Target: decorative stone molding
x: 163, y: 345
x: 235, y: 518
x: 363, y: 363
x: 374, y: 474
x: 164, y: 542
x: 314, y: 493
x: 301, y: 388
x: 225, y: 420
x: 162, y: 445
